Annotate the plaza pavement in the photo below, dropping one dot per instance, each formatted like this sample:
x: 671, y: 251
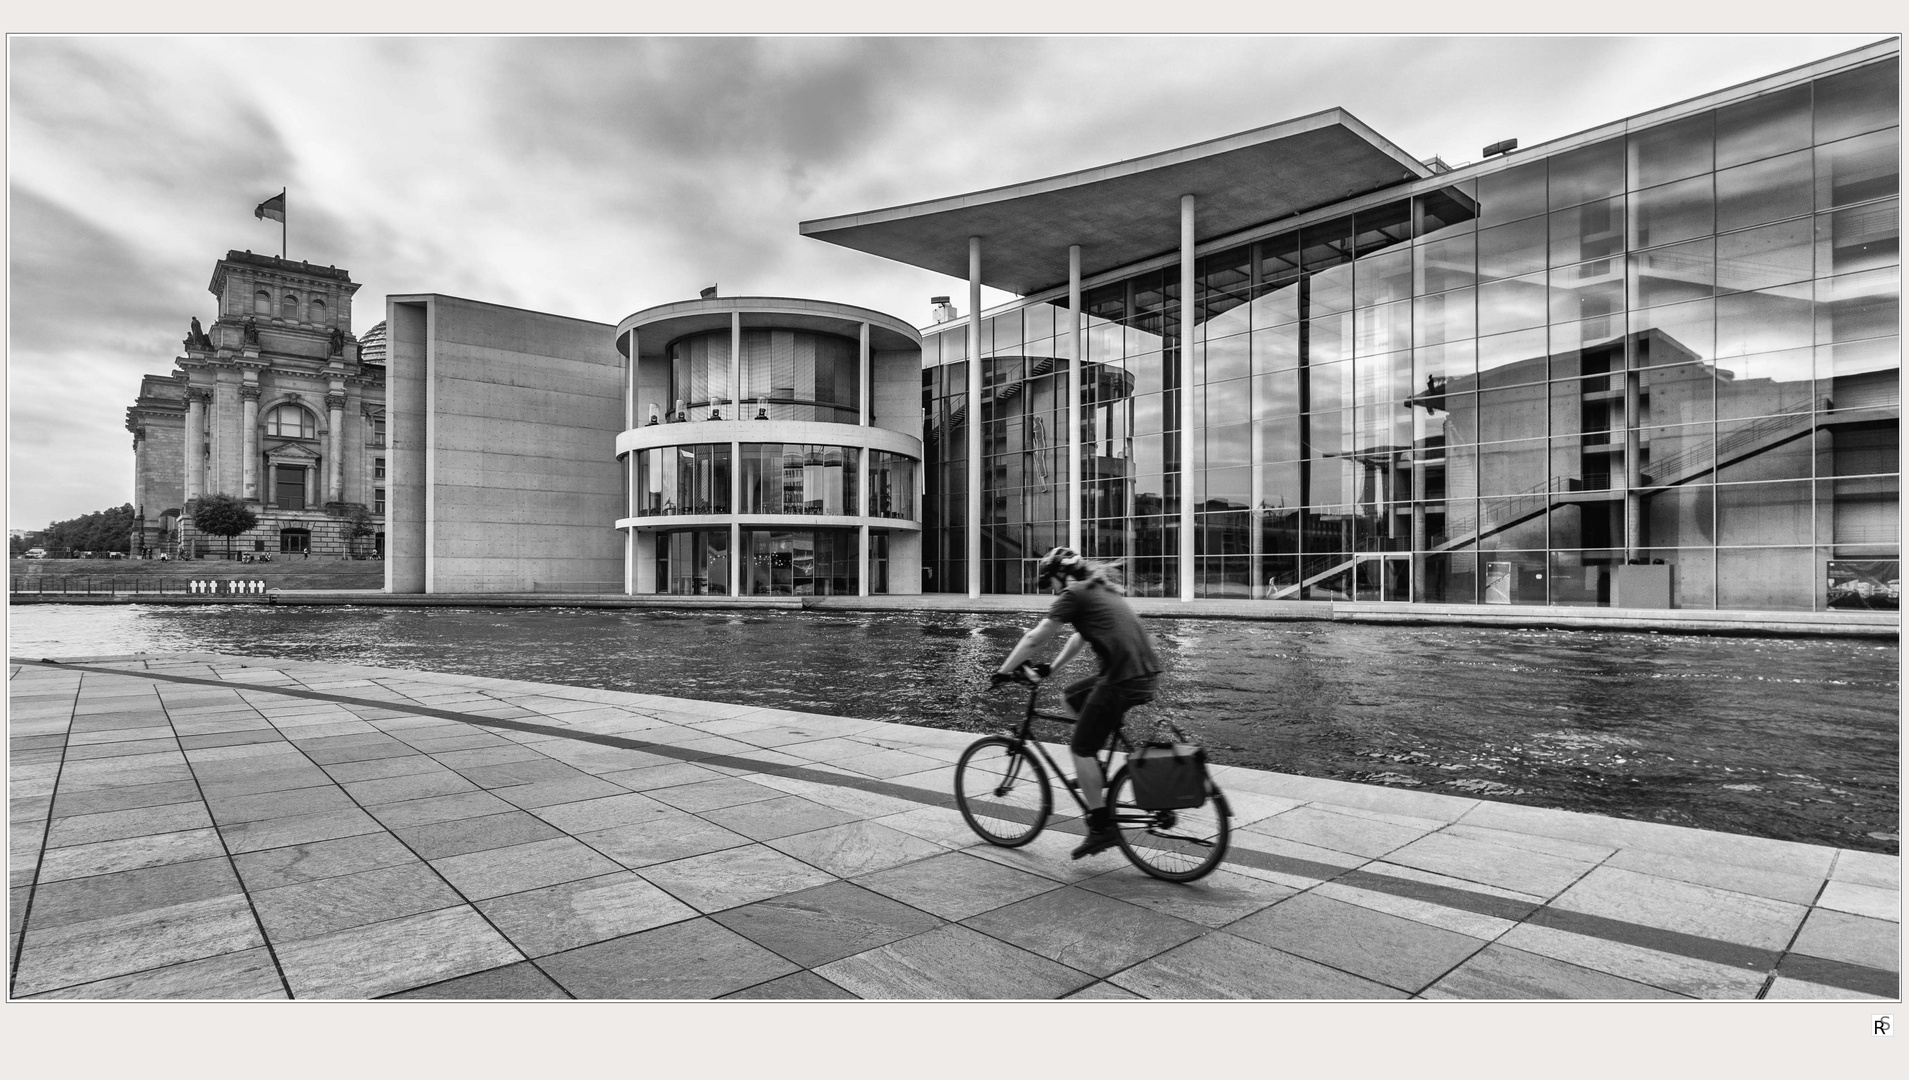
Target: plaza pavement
x: 219, y: 827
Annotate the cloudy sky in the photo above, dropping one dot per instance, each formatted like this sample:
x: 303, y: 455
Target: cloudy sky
x: 594, y: 177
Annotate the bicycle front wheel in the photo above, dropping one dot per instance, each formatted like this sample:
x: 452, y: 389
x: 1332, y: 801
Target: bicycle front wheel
x: 1173, y: 845
x: 1002, y: 791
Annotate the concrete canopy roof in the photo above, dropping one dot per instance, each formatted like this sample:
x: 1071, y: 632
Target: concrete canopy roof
x: 1128, y: 211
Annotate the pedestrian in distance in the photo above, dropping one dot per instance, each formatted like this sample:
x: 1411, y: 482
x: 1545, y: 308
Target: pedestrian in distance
x: 1088, y: 598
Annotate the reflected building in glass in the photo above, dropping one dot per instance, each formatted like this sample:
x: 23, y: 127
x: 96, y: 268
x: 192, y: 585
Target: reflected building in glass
x: 772, y: 448
x: 1652, y: 365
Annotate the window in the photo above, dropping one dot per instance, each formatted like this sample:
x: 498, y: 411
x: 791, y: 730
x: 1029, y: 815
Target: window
x: 288, y: 308
x: 377, y: 469
x: 317, y: 308
x: 288, y: 486
x: 290, y: 422
x: 294, y: 541
x: 262, y: 303
x: 376, y: 421
x: 377, y: 500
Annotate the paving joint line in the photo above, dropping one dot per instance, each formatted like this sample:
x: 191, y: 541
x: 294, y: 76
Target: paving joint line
x: 46, y: 834
x: 1614, y: 930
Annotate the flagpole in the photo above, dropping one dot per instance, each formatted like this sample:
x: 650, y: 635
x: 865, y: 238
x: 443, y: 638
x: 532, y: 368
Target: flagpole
x: 283, y: 226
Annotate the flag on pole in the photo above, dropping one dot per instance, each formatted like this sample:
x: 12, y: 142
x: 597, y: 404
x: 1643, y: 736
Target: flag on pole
x: 273, y: 208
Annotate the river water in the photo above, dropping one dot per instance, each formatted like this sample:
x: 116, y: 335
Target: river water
x: 1793, y: 738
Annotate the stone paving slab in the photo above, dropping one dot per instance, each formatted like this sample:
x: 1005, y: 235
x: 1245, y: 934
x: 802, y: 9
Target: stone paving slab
x: 197, y: 826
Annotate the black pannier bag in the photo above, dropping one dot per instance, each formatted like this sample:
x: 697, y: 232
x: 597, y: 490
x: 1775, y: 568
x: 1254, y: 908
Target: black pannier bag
x: 1168, y: 775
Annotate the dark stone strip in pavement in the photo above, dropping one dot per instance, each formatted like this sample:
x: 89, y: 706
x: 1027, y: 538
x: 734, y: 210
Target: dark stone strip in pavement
x: 1666, y: 941
x: 1842, y: 975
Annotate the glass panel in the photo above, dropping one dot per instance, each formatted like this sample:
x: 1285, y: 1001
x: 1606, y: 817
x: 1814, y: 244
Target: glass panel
x: 1434, y: 365
x: 1592, y: 231
x: 1767, y: 190
x: 1445, y: 264
x: 1860, y: 238
x: 1763, y: 126
x: 1676, y: 334
x: 1276, y: 394
x: 1446, y: 212
x: 1767, y: 448
x: 1764, y: 514
x: 1593, y: 172
x: 1861, y: 358
x: 1449, y: 316
x: 1228, y: 358
x: 1510, y: 468
x: 1515, y: 193
x: 1511, y: 250
x: 1857, y: 170
x: 1671, y: 151
x: 1383, y: 278
x: 1507, y: 359
x: 1228, y: 403
x: 1330, y: 386
x: 1767, y: 321
x: 1383, y: 329
x: 1513, y: 305
x: 1587, y: 291
x: 1679, y: 516
x: 1769, y: 255
x: 1514, y: 412
x: 1860, y: 450
x: 1381, y: 227
x: 1673, y: 212
x: 1384, y: 378
x: 1677, y: 394
x: 1330, y: 338
x: 1857, y: 306
x: 1767, y: 579
x: 1671, y: 274
x: 1859, y: 100
x: 1276, y: 348
x: 1764, y: 385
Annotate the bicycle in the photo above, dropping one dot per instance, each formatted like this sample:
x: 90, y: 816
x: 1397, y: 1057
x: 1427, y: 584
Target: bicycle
x: 1003, y: 793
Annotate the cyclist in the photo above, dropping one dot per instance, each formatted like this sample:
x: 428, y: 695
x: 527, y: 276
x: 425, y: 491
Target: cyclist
x: 1092, y: 602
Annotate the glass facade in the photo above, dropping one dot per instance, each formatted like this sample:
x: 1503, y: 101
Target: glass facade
x: 693, y: 562
x: 800, y: 562
x: 682, y: 480
x: 786, y: 375
x: 1672, y: 348
x: 791, y: 478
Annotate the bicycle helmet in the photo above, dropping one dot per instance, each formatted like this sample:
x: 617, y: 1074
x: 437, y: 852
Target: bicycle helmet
x: 1061, y: 563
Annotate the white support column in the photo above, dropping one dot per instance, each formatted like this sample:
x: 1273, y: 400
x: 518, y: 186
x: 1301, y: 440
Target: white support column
x: 629, y: 386
x: 1188, y: 436
x: 862, y: 581
x: 735, y: 367
x: 629, y: 511
x: 1074, y: 369
x: 735, y: 527
x: 975, y: 479
x: 867, y: 386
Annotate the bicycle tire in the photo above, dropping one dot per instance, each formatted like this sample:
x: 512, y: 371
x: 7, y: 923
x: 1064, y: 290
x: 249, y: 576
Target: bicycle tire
x: 1172, y: 845
x: 1002, y: 791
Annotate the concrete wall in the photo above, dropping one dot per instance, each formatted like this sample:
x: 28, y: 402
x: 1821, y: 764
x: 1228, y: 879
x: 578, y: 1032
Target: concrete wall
x: 895, y: 399
x: 517, y: 419
x: 405, y: 400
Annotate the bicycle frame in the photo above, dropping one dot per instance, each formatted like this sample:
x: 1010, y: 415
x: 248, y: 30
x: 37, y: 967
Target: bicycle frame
x: 1024, y: 735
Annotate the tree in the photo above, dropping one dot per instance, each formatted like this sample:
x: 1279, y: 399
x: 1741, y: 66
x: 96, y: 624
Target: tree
x: 102, y: 530
x: 358, y: 525
x: 222, y: 515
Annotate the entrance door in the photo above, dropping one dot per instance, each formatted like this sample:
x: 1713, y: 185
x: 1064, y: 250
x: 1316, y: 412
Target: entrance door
x: 1385, y: 577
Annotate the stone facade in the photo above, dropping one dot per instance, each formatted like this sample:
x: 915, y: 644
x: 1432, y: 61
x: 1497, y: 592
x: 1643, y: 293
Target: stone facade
x: 275, y: 403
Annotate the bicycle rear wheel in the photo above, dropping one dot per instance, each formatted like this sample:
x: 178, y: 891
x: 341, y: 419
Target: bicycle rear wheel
x: 1002, y: 791
x: 1173, y: 845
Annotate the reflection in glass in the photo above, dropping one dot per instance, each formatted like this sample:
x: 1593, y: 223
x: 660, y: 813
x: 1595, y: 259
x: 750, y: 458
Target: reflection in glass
x: 1672, y: 274
x: 682, y: 480
x: 1587, y: 290
x: 1859, y: 100
x: 1857, y: 306
x: 1767, y: 190
x: 693, y: 562
x: 1445, y: 264
x: 1765, y: 256
x: 1592, y: 172
x: 1511, y: 250
x: 1764, y: 126
x: 800, y: 562
x: 1766, y: 321
x: 1514, y: 193
x: 779, y: 478
x: 1859, y: 238
x: 1673, y: 212
x: 1513, y: 305
x: 1671, y: 151
x: 1765, y: 384
x: 1860, y: 169
x: 1594, y: 230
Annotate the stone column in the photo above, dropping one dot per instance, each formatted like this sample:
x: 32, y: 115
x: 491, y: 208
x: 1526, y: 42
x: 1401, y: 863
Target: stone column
x: 866, y: 387
x: 975, y: 478
x: 735, y: 371
x: 1188, y: 436
x: 249, y: 424
x: 195, y: 443
x: 335, y: 450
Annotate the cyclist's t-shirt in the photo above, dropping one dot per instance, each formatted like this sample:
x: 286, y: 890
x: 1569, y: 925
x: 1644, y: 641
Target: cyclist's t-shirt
x: 1107, y: 621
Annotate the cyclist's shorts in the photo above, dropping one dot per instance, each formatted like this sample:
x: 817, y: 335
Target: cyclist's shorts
x: 1101, y: 706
